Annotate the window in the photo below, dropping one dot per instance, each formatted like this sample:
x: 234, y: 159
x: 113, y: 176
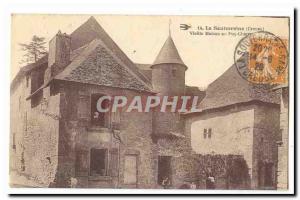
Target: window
x: 83, y: 112
x: 98, y: 164
x: 209, y: 133
x: 22, y: 161
x: 130, y: 172
x: 205, y: 133
x: 174, y: 71
x: 99, y: 118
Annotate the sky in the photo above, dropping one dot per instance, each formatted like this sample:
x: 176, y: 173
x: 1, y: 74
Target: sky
x: 141, y: 38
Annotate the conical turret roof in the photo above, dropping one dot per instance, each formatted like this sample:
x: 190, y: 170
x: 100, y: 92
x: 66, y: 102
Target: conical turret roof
x: 168, y: 53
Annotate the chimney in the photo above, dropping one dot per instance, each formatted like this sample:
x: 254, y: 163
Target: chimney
x: 59, y: 54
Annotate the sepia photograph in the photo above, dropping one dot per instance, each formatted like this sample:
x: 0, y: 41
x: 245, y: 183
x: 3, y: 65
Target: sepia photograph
x: 162, y: 102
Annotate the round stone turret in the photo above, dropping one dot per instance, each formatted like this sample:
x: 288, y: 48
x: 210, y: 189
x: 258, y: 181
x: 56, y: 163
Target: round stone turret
x: 168, y: 71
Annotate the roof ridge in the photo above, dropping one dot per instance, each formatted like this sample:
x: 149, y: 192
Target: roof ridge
x: 230, y: 88
x: 101, y: 34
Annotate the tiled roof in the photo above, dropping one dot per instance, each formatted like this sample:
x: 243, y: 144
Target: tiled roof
x: 194, y: 91
x: 168, y: 53
x: 91, y: 30
x: 96, y: 64
x: 230, y: 88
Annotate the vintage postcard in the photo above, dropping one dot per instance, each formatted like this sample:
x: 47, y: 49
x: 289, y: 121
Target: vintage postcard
x: 150, y: 102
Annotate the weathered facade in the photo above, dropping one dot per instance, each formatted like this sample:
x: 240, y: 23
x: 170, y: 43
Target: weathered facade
x: 60, y: 140
x: 283, y: 140
x: 238, y: 118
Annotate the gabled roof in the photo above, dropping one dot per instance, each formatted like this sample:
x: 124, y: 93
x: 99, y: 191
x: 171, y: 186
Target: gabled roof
x: 168, y: 53
x: 230, y: 88
x: 91, y: 30
x: 96, y: 64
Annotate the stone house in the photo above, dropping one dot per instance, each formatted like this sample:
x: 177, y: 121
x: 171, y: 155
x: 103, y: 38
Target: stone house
x: 238, y: 118
x: 59, y: 142
x: 59, y: 139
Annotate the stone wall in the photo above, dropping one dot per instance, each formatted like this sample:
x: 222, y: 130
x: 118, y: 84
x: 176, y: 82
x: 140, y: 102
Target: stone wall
x: 237, y: 130
x: 34, y: 137
x: 232, y: 126
x: 136, y: 130
x: 178, y: 147
x: 282, y: 182
x: 266, y: 132
x: 133, y: 138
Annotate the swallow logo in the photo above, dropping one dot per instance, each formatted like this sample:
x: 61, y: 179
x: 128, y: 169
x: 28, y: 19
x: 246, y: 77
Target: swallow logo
x: 185, y: 26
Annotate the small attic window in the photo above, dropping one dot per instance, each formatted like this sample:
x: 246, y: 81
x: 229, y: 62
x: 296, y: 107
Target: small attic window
x: 209, y: 133
x: 174, y: 71
x: 205, y: 133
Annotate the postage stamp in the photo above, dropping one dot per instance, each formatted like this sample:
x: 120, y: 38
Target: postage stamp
x: 262, y: 58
